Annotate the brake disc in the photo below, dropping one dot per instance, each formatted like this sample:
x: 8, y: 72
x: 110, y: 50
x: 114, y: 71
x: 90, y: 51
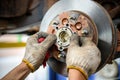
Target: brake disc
x: 83, y: 17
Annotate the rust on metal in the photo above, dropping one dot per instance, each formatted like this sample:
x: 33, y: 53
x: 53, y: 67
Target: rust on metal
x: 74, y: 21
x: 114, y: 11
x: 118, y: 41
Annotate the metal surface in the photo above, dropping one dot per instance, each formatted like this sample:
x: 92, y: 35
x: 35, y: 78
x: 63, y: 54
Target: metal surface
x: 98, y: 16
x: 67, y: 23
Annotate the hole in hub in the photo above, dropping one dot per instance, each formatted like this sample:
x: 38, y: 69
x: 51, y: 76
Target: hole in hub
x: 64, y: 36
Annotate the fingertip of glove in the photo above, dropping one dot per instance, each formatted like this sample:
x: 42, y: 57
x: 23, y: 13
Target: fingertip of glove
x: 74, y: 37
x: 42, y: 34
x: 50, y: 40
x: 74, y: 40
x: 53, y: 36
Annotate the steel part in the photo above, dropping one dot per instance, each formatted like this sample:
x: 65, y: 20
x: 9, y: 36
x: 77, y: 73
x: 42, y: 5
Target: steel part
x: 104, y: 33
x: 63, y: 38
x: 67, y: 23
x: 61, y: 56
x: 57, y: 66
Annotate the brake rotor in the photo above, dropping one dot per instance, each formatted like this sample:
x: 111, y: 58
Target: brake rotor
x: 86, y: 18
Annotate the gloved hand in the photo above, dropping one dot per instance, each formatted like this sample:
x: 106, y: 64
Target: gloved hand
x: 35, y: 52
x: 85, y: 58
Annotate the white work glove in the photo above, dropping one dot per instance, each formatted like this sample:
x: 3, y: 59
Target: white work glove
x: 85, y: 58
x: 35, y: 52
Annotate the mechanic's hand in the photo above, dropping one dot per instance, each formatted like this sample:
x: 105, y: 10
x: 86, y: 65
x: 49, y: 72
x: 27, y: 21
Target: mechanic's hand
x: 35, y: 52
x: 85, y: 58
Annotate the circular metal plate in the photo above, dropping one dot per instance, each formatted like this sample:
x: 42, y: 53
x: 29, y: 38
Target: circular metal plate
x: 98, y: 15
x: 67, y: 23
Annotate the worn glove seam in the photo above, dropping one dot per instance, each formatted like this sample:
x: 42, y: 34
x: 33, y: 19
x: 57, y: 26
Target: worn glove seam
x: 79, y: 69
x: 29, y: 65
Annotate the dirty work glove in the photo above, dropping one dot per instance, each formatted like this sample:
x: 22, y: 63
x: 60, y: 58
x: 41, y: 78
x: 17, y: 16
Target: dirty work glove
x: 35, y: 52
x: 85, y: 58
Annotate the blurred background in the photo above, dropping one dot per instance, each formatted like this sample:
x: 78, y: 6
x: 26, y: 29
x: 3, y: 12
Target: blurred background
x: 18, y: 23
